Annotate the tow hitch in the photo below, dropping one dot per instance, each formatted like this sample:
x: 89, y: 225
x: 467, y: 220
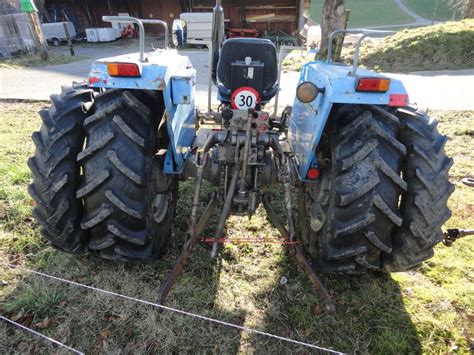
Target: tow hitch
x: 453, y: 234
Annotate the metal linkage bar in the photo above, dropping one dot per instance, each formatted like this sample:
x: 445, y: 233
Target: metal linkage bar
x: 225, y: 210
x: 300, y: 257
x: 285, y: 175
x: 453, y: 234
x: 194, y: 229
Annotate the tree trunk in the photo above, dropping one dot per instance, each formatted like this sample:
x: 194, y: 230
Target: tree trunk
x: 469, y: 13
x: 334, y: 18
x: 41, y: 43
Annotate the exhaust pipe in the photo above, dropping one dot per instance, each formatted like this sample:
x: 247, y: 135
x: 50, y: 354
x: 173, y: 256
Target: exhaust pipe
x: 214, y: 48
x: 217, y: 36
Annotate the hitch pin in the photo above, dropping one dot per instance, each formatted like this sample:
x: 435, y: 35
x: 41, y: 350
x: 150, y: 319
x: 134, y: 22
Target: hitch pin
x: 453, y: 234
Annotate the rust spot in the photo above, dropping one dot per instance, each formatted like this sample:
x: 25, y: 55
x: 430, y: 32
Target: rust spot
x: 162, y: 86
x: 93, y: 80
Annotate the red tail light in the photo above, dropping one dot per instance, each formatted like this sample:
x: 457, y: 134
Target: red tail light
x: 123, y: 69
x: 373, y: 85
x: 312, y: 174
x: 398, y: 100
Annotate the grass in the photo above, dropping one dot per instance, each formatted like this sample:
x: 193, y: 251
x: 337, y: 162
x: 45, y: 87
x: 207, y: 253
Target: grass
x: 365, y: 13
x: 429, y: 310
x: 429, y: 9
x: 34, y: 60
x: 445, y: 46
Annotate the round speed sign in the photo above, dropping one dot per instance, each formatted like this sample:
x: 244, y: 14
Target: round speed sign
x: 244, y: 98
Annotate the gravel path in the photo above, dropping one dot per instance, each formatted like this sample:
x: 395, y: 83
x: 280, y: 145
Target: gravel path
x: 440, y: 90
x: 418, y: 19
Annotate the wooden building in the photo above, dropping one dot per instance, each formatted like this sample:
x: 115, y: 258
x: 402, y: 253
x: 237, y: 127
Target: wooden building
x: 263, y: 15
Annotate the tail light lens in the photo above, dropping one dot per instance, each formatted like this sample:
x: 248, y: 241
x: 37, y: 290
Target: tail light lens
x: 312, y: 174
x: 373, y: 85
x: 123, y: 69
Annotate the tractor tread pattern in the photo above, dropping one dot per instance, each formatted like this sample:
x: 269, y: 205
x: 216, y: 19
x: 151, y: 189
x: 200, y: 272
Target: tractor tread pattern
x: 383, y: 202
x: 424, y: 205
x: 354, y: 205
x: 118, y: 190
x: 55, y: 172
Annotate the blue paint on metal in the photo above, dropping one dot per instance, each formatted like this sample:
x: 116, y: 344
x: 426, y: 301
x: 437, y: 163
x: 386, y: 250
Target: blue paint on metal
x: 181, y: 120
x: 167, y: 71
x: 308, y: 120
x: 183, y: 84
x: 168, y: 168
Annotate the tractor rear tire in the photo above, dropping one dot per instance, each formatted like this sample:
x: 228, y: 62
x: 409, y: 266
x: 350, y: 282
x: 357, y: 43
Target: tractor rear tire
x: 361, y: 214
x: 129, y: 202
x: 56, y: 174
x: 424, y: 205
x: 348, y: 215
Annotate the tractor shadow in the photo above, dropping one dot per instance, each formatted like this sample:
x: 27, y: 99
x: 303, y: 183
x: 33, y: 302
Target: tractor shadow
x: 370, y: 313
x: 248, y: 285
x: 93, y: 322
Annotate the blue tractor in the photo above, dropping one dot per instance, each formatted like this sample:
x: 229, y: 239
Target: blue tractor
x: 368, y: 172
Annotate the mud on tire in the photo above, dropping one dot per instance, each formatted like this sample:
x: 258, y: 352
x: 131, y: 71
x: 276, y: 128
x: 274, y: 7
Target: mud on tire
x: 55, y: 172
x: 361, y: 214
x: 128, y: 202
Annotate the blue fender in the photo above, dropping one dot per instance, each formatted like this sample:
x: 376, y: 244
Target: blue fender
x: 308, y: 120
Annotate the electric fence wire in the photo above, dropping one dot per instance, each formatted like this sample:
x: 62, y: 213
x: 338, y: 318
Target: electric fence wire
x: 21, y: 326
x: 174, y: 310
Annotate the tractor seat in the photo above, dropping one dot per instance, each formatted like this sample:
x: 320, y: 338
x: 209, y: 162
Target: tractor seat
x: 247, y: 62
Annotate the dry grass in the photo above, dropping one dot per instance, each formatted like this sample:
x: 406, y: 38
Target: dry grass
x: 34, y: 60
x: 446, y: 46
x: 429, y: 310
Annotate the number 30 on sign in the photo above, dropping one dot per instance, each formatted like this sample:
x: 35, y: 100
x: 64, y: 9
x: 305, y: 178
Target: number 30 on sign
x: 244, y: 98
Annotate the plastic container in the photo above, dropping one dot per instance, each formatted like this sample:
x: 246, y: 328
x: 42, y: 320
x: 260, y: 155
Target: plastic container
x: 92, y: 35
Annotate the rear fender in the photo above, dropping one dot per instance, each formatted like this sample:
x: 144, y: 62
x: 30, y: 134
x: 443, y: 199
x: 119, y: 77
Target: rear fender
x: 308, y: 120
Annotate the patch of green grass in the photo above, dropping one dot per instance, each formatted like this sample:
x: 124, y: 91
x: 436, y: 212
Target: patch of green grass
x: 427, y: 310
x: 366, y: 13
x: 429, y: 9
x: 445, y: 46
x: 34, y: 60
x: 39, y: 298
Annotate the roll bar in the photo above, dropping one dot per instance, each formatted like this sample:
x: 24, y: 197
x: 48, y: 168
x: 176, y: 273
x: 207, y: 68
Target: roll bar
x: 162, y: 23
x: 141, y: 28
x: 364, y: 32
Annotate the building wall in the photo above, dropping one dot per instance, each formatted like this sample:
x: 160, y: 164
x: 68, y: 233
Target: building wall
x: 88, y: 13
x: 264, y: 15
